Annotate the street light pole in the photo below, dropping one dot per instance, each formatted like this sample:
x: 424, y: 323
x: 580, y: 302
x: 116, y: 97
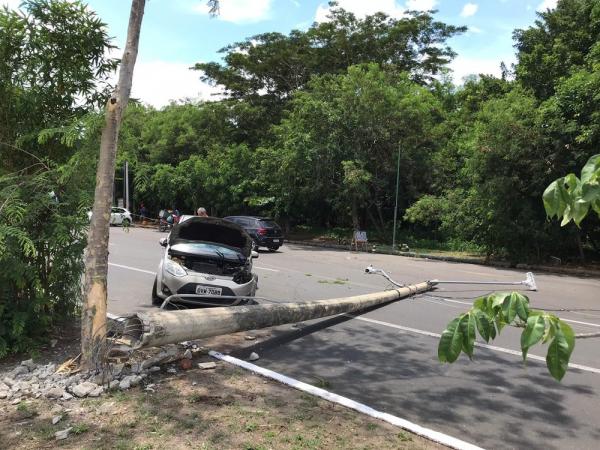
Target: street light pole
x: 396, y: 204
x: 126, y: 185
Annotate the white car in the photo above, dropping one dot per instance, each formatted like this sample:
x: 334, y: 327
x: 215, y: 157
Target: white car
x: 118, y: 216
x: 207, y: 262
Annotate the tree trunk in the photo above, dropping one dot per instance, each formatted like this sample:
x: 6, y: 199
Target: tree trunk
x: 93, y: 320
x: 355, y: 219
x: 579, y: 245
x: 373, y: 221
x: 380, y: 215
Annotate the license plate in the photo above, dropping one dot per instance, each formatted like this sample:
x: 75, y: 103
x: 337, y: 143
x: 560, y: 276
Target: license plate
x: 275, y: 240
x: 205, y: 290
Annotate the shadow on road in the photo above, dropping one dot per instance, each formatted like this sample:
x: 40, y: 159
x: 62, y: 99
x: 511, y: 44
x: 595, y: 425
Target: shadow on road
x: 493, y: 401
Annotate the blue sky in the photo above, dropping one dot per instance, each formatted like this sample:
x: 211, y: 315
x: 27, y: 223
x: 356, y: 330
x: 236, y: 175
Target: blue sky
x: 178, y: 33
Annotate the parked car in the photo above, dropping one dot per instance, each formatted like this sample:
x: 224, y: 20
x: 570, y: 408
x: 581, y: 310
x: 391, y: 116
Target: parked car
x: 263, y: 231
x: 118, y: 216
x: 207, y: 261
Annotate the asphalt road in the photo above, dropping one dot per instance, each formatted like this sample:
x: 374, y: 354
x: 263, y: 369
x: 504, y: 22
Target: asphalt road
x: 387, y: 358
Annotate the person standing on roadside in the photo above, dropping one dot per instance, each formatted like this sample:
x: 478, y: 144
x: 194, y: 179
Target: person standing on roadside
x: 201, y: 212
x: 143, y: 212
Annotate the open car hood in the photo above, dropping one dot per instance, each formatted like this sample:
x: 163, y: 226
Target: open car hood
x: 212, y: 230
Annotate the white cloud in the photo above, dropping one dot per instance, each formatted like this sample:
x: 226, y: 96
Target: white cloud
x: 12, y: 4
x: 469, y: 9
x: 421, y: 5
x: 158, y: 82
x: 362, y: 8
x: 463, y: 66
x: 239, y: 11
x: 547, y: 4
x: 474, y: 29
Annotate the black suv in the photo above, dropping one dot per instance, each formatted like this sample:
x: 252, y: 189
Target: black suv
x: 264, y: 231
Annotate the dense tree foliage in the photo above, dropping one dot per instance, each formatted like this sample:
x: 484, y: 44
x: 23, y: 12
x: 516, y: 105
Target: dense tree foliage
x: 309, y: 131
x: 53, y: 69
x: 314, y: 120
x: 266, y: 69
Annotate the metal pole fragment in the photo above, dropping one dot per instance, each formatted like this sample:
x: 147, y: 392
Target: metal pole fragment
x: 396, y: 204
x: 170, y: 327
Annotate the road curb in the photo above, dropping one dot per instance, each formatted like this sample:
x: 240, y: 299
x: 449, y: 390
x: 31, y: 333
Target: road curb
x: 538, y: 268
x: 427, y: 433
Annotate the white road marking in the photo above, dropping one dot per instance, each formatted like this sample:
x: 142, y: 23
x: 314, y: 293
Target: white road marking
x: 121, y: 266
x: 428, y: 433
x: 581, y: 323
x: 265, y: 268
x: 132, y: 268
x: 477, y: 344
x: 471, y: 304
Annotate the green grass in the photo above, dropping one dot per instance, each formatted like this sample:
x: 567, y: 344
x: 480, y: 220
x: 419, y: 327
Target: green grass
x: 26, y: 411
x: 450, y: 247
x: 80, y: 428
x: 250, y: 427
x: 403, y: 437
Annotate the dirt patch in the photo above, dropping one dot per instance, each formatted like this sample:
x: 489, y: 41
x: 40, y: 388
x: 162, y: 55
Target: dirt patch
x: 221, y: 408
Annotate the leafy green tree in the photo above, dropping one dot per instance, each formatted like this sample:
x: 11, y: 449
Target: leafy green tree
x: 278, y: 65
x: 490, y: 314
x: 53, y: 70
x: 42, y: 236
x: 52, y: 66
x: 557, y: 46
x: 179, y: 131
x: 572, y: 198
x: 267, y: 68
x: 345, y: 125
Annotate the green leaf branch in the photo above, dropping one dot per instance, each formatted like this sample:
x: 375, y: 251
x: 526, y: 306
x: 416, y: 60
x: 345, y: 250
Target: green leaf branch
x: 571, y: 197
x: 490, y: 314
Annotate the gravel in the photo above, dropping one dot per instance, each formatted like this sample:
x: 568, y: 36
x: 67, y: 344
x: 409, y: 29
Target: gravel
x: 32, y: 380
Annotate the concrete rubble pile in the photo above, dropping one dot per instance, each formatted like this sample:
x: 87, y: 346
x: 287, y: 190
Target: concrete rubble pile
x: 31, y: 380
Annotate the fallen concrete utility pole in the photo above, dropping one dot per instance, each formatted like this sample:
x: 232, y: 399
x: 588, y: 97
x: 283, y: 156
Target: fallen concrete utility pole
x: 152, y: 329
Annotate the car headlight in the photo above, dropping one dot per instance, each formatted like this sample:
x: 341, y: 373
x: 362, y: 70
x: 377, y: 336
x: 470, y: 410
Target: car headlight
x: 174, y: 269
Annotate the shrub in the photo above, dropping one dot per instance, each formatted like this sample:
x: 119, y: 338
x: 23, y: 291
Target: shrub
x: 42, y: 238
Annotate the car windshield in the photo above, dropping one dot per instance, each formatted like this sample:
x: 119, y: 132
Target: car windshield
x: 207, y: 249
x: 268, y: 224
x: 214, y: 248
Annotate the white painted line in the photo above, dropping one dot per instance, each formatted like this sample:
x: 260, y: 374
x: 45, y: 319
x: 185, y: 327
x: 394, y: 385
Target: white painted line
x: 471, y: 304
x: 132, y: 268
x: 432, y: 435
x: 581, y: 323
x: 265, y: 268
x: 477, y: 344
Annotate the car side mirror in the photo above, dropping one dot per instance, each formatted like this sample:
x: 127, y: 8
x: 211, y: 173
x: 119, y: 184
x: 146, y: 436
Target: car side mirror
x: 162, y: 242
x: 254, y: 254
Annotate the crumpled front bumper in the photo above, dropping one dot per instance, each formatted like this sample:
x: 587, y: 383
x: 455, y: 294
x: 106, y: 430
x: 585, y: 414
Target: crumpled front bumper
x: 185, y: 289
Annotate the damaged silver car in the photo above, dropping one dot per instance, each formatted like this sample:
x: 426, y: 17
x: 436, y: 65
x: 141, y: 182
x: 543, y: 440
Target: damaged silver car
x: 207, y: 262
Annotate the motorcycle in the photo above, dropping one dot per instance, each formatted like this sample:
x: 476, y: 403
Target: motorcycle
x: 164, y: 225
x: 167, y: 221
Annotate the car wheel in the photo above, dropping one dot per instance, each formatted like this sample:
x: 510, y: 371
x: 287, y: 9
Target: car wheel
x: 125, y: 223
x: 156, y: 300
